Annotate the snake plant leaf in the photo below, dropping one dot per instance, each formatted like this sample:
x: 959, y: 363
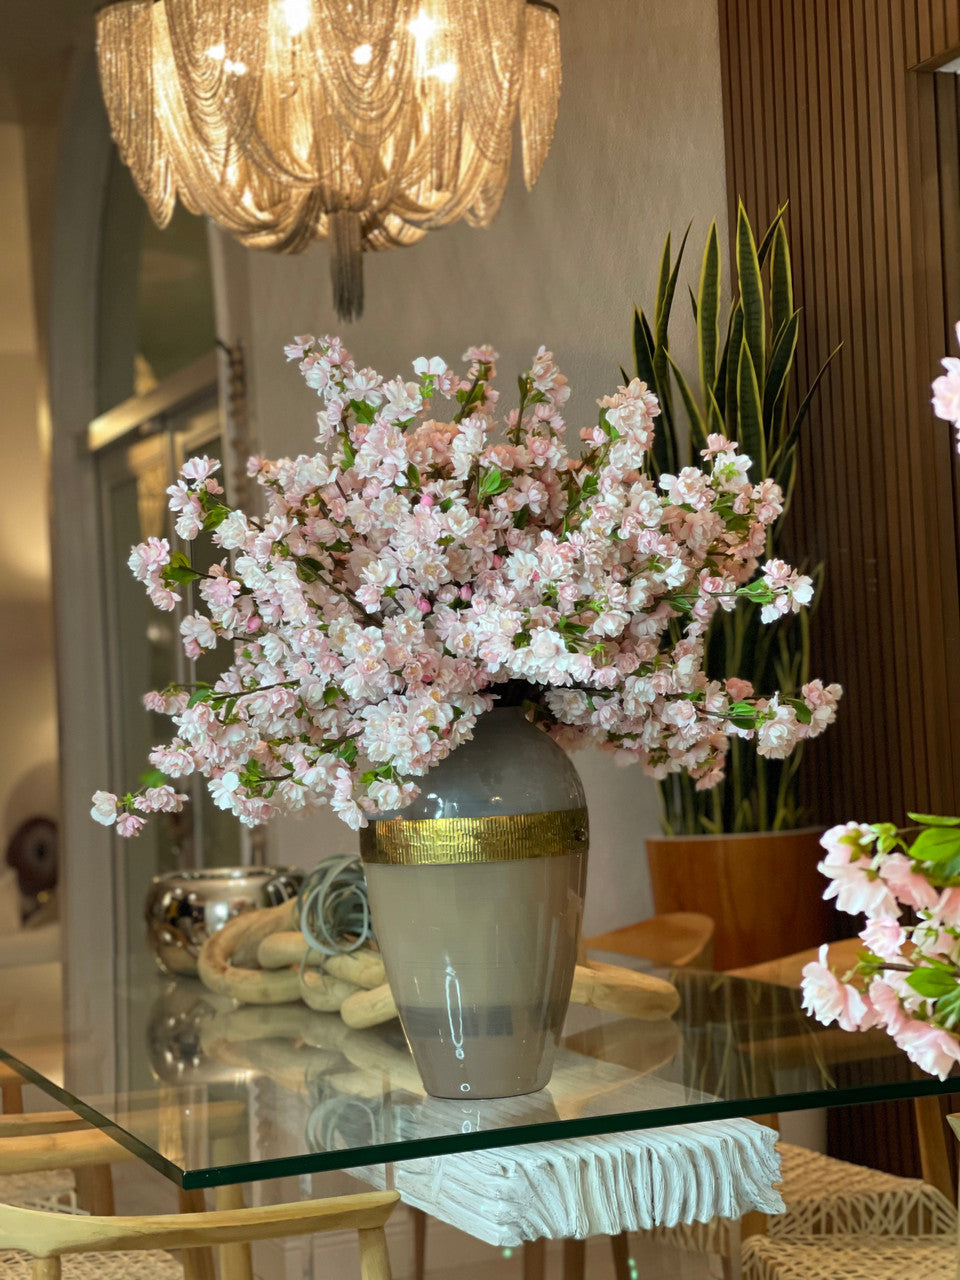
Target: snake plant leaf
x: 790, y: 443
x: 698, y: 438
x: 781, y: 360
x: 667, y: 288
x: 714, y: 423
x: 693, y: 303
x: 766, y: 243
x: 663, y: 277
x: 664, y: 308
x: 734, y: 343
x: 781, y: 281
x: 643, y: 349
x: 708, y: 311
x: 751, y: 294
x: 786, y: 477
x: 720, y: 381
x: 663, y: 456
x: 751, y: 437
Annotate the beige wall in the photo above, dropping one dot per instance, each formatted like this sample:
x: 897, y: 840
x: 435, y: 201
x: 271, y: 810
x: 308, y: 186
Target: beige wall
x: 28, y: 741
x: 638, y: 151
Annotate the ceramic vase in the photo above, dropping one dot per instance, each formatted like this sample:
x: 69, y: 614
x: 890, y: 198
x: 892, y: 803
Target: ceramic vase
x: 476, y: 893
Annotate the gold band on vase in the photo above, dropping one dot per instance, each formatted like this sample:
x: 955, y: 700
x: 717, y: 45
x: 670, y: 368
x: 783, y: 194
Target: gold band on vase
x: 508, y: 837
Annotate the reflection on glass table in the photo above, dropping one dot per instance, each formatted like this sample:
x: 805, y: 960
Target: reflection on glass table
x: 212, y: 1093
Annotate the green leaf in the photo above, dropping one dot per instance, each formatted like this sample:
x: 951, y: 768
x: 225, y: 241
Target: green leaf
x: 183, y: 575
x: 413, y: 477
x: 948, y: 1008
x: 933, y: 820
x: 750, y: 435
x: 932, y: 983
x: 363, y: 412
x: 215, y: 517
x: 708, y: 312
x: 781, y: 280
x: 153, y: 778
x: 201, y: 694
x: 936, y: 844
x: 751, y: 294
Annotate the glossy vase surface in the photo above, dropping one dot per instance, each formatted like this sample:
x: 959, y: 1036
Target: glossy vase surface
x: 476, y: 893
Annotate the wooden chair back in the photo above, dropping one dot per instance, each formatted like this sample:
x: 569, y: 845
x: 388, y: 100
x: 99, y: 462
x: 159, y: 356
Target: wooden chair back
x: 673, y: 940
x: 49, y: 1236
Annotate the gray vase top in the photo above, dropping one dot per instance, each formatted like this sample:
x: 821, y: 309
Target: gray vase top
x: 510, y: 766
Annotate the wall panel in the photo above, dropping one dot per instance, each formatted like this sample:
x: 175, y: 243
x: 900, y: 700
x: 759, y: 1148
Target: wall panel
x: 830, y: 106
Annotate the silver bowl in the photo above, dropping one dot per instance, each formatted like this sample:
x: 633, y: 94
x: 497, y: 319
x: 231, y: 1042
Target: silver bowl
x: 184, y: 908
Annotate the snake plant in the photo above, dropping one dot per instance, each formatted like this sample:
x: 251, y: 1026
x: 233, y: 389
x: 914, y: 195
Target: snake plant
x: 746, y: 392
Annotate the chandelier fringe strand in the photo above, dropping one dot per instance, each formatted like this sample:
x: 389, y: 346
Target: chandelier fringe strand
x: 346, y: 264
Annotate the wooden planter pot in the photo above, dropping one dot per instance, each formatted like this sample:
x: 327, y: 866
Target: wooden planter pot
x: 763, y: 890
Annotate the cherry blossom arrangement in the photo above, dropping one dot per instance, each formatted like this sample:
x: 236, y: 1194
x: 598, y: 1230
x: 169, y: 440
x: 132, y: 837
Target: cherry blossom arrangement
x: 906, y: 881
x: 427, y: 561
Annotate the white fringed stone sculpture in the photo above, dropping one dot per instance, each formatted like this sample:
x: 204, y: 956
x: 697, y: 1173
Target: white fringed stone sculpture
x: 579, y: 1187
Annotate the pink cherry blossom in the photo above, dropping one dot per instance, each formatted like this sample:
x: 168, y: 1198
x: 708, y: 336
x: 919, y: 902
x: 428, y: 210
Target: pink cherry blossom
x: 933, y: 1049
x: 828, y: 999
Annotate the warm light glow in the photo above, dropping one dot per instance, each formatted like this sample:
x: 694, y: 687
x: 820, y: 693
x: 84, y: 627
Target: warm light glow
x: 423, y: 26
x: 446, y: 71
x: 296, y: 14
x: 274, y: 142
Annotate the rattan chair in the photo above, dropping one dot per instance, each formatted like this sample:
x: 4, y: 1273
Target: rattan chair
x: 43, y: 1246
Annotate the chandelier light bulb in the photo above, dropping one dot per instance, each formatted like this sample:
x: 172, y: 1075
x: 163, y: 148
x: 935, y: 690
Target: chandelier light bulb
x: 296, y: 14
x: 422, y: 27
x: 368, y: 123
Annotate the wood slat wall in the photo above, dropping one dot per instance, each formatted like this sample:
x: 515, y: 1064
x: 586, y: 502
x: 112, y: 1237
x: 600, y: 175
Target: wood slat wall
x: 828, y: 105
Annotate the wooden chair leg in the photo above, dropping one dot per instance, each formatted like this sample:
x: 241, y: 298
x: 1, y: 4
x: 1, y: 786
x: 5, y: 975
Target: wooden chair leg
x: 732, y: 1260
x: 620, y: 1247
x: 236, y: 1260
x: 932, y: 1138
x: 11, y: 1098
x: 46, y: 1269
x: 197, y: 1263
x: 374, y: 1259
x: 534, y: 1259
x: 419, y: 1243
x: 574, y: 1259
x: 95, y: 1190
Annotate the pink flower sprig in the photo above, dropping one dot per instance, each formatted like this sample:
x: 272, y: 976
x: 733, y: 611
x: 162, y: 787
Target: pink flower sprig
x: 946, y: 391
x: 906, y: 882
x: 430, y: 552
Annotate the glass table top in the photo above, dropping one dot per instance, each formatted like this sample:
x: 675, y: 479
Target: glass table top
x: 212, y: 1093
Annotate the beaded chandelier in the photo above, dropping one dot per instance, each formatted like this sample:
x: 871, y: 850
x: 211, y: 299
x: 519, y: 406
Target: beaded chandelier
x: 368, y: 121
